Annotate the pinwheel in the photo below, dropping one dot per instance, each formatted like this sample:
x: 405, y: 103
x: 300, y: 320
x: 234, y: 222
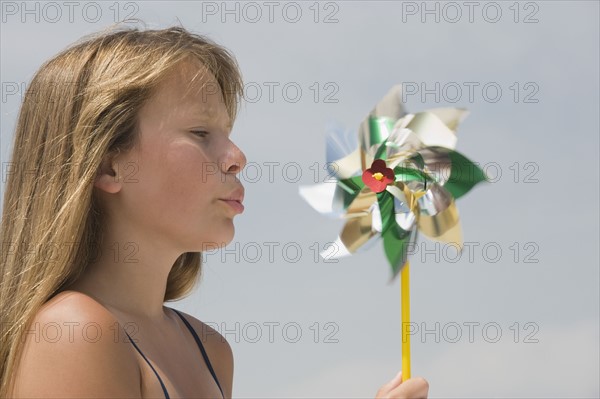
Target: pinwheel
x: 403, y: 178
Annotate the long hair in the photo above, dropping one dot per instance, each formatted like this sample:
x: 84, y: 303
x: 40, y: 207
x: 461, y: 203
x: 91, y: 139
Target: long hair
x: 80, y: 107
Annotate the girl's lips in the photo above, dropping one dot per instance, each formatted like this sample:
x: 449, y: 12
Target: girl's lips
x: 236, y: 205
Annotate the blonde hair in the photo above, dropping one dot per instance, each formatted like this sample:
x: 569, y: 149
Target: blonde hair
x: 80, y: 107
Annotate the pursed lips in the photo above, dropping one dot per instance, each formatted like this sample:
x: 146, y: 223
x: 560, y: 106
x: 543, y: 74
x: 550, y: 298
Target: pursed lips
x: 235, y: 199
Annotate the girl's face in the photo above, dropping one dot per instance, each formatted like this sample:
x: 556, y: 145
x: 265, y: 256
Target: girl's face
x: 176, y: 183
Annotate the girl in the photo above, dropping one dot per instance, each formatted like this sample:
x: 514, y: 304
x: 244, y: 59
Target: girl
x: 122, y: 173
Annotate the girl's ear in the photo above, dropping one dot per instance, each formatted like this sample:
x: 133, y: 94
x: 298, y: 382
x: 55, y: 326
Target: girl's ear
x: 107, y: 177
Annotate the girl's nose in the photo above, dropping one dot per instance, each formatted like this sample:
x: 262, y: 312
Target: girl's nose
x: 236, y: 160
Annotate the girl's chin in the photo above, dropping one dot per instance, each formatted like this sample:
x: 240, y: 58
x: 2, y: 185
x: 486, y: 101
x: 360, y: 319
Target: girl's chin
x: 214, y: 242
x: 212, y: 246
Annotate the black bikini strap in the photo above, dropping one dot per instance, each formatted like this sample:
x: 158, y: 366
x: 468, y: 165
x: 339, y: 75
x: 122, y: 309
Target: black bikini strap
x: 152, y: 367
x: 201, y: 349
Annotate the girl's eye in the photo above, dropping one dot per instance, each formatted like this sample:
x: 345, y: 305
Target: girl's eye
x: 200, y: 133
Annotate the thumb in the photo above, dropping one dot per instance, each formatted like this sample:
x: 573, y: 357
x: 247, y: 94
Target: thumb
x: 389, y: 386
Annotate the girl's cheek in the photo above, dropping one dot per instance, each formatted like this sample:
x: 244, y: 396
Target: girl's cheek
x: 188, y: 164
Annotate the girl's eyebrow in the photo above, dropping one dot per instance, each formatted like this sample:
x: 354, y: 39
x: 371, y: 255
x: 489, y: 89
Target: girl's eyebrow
x: 207, y: 114
x: 204, y: 118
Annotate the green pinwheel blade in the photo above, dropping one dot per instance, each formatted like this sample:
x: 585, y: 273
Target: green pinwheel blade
x: 405, y: 174
x: 352, y: 187
x: 395, y: 239
x: 418, y: 160
x: 379, y: 130
x: 396, y: 248
x: 464, y: 175
x: 385, y: 201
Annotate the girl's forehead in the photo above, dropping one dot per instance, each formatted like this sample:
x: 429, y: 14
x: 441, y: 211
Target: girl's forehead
x: 185, y: 95
x: 192, y: 81
x: 193, y: 86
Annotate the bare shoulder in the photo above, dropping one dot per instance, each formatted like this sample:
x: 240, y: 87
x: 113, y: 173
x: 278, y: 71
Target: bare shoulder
x: 74, y: 348
x: 218, y: 350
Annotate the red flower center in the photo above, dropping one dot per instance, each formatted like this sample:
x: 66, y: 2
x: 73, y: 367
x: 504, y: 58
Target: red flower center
x: 378, y: 176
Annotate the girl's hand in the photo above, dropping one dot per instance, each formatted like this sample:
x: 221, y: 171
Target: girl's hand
x: 415, y: 387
